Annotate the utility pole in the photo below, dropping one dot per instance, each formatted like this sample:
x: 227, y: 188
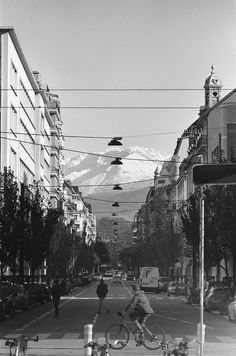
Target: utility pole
x: 21, y: 233
x: 201, y: 253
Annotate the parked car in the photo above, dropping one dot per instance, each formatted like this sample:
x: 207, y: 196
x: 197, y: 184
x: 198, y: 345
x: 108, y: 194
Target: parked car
x: 85, y: 279
x: 217, y: 298
x: 163, y: 283
x: 171, y: 288
x: 46, y: 292
x: 21, y: 297
x: 35, y: 292
x: 66, y: 286
x: 231, y: 310
x: 7, y: 301
x: 130, y: 276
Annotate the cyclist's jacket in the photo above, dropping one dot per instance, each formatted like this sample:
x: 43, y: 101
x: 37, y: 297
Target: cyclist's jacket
x: 140, y: 301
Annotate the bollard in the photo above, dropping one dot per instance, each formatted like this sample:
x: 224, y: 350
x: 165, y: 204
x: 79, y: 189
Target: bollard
x: 88, y: 337
x: 200, y: 337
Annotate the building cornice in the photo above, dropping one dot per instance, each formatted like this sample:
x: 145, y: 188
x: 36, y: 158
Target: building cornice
x: 21, y: 55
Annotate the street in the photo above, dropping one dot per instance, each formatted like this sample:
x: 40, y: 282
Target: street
x: 65, y: 335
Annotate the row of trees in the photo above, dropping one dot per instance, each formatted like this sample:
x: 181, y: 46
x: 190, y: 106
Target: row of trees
x: 220, y: 229
x: 163, y: 245
x: 31, y: 233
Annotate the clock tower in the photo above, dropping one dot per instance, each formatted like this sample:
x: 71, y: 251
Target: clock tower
x: 212, y: 89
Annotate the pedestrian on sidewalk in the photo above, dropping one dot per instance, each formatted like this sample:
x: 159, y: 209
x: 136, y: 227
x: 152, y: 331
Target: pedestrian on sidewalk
x: 56, y: 295
x: 102, y: 290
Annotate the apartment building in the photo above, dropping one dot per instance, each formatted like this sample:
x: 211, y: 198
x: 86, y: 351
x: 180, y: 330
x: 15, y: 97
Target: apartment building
x: 31, y: 140
x: 211, y: 138
x: 78, y: 214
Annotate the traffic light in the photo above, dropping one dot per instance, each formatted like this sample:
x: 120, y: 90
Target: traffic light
x: 212, y: 174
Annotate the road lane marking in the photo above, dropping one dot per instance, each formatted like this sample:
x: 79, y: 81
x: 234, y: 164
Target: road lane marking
x: 170, y: 318
x: 71, y: 336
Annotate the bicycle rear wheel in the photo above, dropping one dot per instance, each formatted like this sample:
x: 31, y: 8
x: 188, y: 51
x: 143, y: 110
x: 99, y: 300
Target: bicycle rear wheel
x: 153, y: 336
x: 117, y: 336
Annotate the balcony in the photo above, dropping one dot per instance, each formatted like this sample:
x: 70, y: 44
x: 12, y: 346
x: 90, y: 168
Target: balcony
x: 202, y: 141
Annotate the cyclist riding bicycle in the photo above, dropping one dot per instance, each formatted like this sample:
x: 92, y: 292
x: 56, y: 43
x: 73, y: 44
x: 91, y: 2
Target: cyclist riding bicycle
x: 141, y: 307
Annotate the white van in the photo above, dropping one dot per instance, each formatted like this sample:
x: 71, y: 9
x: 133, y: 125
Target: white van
x: 149, y: 279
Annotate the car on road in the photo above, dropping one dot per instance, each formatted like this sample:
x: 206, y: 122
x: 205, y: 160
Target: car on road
x: 124, y: 276
x: 21, y: 297
x: 171, y: 288
x: 130, y: 276
x: 97, y: 276
x: 163, y: 283
x: 117, y: 279
x: 217, y: 299
x: 107, y: 276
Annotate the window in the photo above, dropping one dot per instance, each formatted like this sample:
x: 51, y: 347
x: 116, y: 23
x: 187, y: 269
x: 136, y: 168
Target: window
x: 13, y: 161
x: 26, y: 175
x: 231, y: 143
x: 27, y: 140
x: 42, y: 125
x: 13, y: 119
x: 27, y: 103
x: 13, y: 77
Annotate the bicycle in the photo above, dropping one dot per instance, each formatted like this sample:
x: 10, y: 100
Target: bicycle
x: 177, y: 350
x: 18, y: 345
x: 96, y: 348
x: 117, y: 335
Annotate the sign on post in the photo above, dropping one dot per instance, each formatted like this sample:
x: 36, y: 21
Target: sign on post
x: 211, y: 174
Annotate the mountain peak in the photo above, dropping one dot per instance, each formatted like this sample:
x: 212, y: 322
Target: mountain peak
x: 96, y: 171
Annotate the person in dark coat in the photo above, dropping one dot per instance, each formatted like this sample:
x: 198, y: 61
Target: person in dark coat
x: 56, y: 295
x: 102, y: 291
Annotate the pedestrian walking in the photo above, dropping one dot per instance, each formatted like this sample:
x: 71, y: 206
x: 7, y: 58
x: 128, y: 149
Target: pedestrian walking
x: 56, y: 294
x: 102, y: 291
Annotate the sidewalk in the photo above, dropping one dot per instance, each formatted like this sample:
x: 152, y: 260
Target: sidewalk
x: 74, y: 347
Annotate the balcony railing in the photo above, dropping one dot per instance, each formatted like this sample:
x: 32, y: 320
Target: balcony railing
x: 202, y: 141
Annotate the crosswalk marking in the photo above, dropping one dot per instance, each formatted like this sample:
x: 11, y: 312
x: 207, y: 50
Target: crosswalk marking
x: 96, y: 298
x: 226, y: 339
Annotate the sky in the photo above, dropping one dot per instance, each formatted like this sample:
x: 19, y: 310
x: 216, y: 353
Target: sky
x: 161, y: 45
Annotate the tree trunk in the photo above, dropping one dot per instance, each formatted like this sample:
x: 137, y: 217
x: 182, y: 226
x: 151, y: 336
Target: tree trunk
x: 234, y: 268
x: 195, y: 267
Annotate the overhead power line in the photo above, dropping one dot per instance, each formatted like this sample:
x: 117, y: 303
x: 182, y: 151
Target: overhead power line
x: 112, y: 107
x: 114, y: 89
x: 108, y: 137
x: 90, y: 153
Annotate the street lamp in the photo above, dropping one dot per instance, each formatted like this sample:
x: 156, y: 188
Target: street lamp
x: 117, y: 187
x: 117, y: 161
x: 115, y: 141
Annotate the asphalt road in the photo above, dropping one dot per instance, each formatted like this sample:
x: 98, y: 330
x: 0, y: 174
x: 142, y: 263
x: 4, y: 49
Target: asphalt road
x: 65, y: 335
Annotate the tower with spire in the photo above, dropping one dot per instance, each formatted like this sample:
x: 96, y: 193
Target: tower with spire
x: 212, y: 88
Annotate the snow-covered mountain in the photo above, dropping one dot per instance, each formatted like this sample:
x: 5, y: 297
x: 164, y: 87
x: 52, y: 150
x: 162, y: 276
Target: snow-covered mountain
x: 95, y: 175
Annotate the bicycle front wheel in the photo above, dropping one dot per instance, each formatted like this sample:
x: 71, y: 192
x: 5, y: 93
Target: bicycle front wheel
x: 19, y: 352
x: 117, y: 336
x: 153, y: 336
